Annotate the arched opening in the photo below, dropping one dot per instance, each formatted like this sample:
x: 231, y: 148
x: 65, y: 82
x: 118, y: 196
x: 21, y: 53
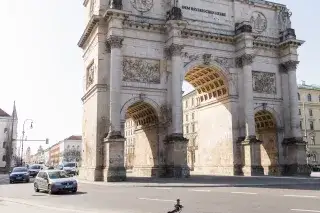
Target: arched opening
x: 207, y: 117
x: 266, y: 131
x: 142, y: 140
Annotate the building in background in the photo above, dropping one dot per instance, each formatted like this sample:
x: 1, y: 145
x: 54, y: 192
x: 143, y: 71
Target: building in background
x: 129, y: 130
x: 46, y: 156
x: 70, y: 149
x: 54, y: 154
x: 27, y: 158
x: 309, y: 111
x: 7, y: 122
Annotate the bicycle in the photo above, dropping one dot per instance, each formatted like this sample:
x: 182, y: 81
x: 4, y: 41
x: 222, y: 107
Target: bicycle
x: 177, y: 207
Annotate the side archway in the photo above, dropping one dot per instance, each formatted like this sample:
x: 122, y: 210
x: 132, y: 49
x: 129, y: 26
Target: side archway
x: 266, y: 131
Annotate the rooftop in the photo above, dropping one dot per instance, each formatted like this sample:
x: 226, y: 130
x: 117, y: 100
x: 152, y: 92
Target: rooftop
x: 3, y: 113
x: 303, y: 85
x: 74, y: 137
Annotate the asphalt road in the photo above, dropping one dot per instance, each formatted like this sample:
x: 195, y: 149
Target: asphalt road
x: 160, y: 198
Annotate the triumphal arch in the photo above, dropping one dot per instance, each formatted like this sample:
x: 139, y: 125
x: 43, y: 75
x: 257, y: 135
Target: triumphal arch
x: 239, y: 55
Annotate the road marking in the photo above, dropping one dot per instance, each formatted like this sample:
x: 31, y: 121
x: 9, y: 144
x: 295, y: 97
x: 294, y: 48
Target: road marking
x: 301, y: 196
x: 200, y: 190
x: 163, y: 188
x: 246, y: 193
x: 304, y: 210
x: 156, y: 199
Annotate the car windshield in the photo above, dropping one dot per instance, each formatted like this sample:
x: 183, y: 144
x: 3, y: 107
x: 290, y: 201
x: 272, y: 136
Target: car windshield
x: 20, y: 169
x: 35, y: 167
x: 57, y: 174
x: 70, y: 165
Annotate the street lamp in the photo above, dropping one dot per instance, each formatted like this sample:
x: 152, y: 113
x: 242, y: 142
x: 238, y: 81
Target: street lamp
x: 23, y: 132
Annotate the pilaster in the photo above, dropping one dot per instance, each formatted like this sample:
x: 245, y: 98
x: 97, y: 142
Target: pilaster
x: 252, y: 157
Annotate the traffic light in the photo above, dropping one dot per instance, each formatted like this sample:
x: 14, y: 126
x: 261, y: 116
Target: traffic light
x: 47, y: 140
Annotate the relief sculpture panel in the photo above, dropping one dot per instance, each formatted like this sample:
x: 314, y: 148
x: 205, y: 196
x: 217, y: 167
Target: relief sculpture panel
x: 264, y: 82
x: 141, y: 70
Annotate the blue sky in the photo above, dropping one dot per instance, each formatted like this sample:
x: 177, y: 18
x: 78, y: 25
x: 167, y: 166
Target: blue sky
x: 42, y: 68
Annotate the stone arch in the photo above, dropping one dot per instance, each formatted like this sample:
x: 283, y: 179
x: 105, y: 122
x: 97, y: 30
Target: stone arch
x: 266, y: 131
x: 136, y: 100
x: 275, y: 114
x: 143, y: 135
x: 228, y: 77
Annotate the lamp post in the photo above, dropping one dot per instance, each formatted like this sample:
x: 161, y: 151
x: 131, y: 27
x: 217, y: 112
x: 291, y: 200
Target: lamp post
x: 23, y: 132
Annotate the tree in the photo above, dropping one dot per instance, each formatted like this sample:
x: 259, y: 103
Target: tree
x: 71, y: 155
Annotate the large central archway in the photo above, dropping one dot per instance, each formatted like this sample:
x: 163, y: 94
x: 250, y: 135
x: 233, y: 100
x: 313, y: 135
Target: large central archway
x: 214, y: 117
x: 141, y: 132
x: 266, y: 131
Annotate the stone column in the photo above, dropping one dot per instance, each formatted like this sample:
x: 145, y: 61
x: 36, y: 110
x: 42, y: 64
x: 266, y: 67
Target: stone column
x: 295, y: 147
x: 115, y: 142
x: 291, y: 67
x: 176, y: 144
x: 116, y: 60
x: 251, y: 146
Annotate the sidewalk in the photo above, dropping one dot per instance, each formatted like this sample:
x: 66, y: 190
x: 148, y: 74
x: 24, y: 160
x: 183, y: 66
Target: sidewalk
x: 209, y: 181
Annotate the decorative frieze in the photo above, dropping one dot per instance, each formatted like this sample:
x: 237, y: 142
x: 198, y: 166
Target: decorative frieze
x: 264, y: 82
x: 142, y: 5
x: 258, y: 22
x: 141, y: 70
x: 224, y: 62
x: 115, y: 41
x: 90, y: 75
x: 291, y: 65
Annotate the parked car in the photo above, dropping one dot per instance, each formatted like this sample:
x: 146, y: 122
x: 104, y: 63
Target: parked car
x: 54, y: 181
x: 19, y: 174
x: 71, y: 168
x: 34, y: 169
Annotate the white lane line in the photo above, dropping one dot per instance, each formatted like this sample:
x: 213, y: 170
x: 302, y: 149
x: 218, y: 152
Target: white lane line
x: 301, y: 196
x: 304, y: 210
x: 164, y: 188
x: 200, y: 190
x: 246, y: 193
x: 156, y: 199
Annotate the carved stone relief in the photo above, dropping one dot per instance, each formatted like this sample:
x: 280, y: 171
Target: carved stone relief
x: 224, y: 62
x: 264, y: 82
x: 165, y: 112
x: 258, y: 22
x: 206, y: 59
x: 141, y: 70
x: 142, y: 5
x: 284, y: 19
x: 90, y: 74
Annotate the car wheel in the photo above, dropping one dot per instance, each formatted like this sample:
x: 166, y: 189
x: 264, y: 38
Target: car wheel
x: 11, y: 181
x: 49, y: 189
x: 28, y: 180
x: 36, y: 188
x: 74, y: 191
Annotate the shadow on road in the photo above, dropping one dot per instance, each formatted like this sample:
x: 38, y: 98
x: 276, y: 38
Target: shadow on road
x: 68, y: 193
x: 298, y: 183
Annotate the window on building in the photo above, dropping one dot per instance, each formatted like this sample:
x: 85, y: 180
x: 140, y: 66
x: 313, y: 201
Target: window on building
x: 319, y: 98
x: 192, y: 101
x: 310, y: 112
x: 309, y: 98
x: 187, y: 129
x: 5, y: 130
x: 311, y: 125
x: 299, y: 111
x: 192, y: 115
x: 187, y: 117
x: 300, y: 124
x: 4, y: 145
x: 193, y: 128
x: 3, y: 158
x: 187, y: 104
x: 68, y: 147
x: 299, y: 96
x: 78, y: 147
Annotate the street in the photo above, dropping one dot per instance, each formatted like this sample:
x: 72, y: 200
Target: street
x: 250, y: 195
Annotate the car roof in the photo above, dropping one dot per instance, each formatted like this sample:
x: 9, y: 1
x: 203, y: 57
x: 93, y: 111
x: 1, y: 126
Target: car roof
x: 20, y: 167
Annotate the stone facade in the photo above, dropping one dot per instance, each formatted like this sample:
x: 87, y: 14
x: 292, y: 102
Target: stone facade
x: 136, y: 56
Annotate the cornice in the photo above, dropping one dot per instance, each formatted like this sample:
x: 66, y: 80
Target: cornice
x: 207, y: 36
x: 114, y: 12
x: 262, y: 3
x: 291, y: 43
x: 95, y: 88
x: 91, y: 24
x: 129, y: 24
x: 85, y: 3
